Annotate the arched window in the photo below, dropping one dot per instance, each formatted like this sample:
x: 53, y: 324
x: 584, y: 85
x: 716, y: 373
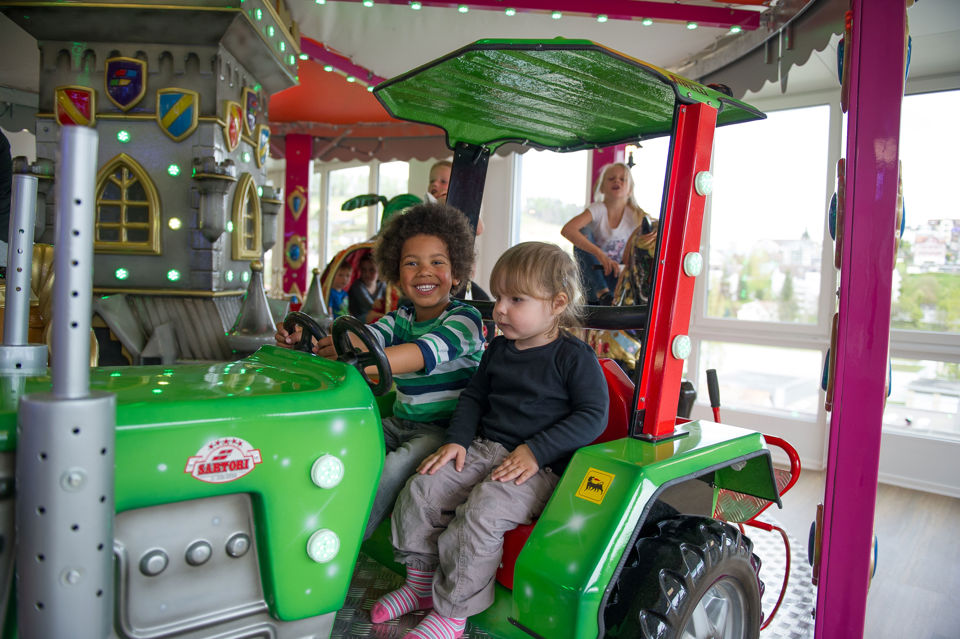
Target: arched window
x: 128, y: 209
x: 246, y: 220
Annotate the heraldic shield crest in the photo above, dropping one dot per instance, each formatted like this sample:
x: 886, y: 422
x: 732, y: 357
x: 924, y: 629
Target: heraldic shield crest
x: 125, y: 81
x: 251, y: 109
x: 233, y: 127
x: 76, y: 106
x: 178, y: 111
x: 263, y: 144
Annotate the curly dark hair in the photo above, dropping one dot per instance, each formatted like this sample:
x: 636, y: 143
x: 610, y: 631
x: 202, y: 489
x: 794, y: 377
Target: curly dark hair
x: 438, y: 220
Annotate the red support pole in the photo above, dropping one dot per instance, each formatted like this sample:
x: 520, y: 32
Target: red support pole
x: 673, y: 291
x: 863, y: 327
x: 298, y: 151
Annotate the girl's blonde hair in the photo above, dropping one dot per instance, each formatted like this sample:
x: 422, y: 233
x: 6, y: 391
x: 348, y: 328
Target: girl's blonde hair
x: 638, y: 213
x: 543, y: 271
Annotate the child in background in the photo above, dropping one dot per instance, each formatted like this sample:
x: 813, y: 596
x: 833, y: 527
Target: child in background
x: 439, y: 182
x: 365, y: 292
x: 538, y: 396
x: 337, y: 303
x: 433, y: 342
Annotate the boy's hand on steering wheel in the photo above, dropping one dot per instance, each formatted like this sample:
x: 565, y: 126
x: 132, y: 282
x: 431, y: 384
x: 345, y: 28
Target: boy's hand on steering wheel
x: 286, y: 339
x: 324, y: 347
x: 439, y: 459
x: 520, y: 465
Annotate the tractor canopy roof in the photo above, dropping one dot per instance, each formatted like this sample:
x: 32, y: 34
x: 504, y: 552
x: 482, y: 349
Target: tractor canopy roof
x: 558, y: 94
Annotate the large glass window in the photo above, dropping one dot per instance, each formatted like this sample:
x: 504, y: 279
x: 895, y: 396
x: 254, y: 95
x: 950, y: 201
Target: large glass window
x: 649, y: 170
x: 553, y: 189
x: 394, y: 179
x: 926, y: 283
x: 766, y: 219
x: 346, y: 228
x: 924, y: 398
x: 764, y: 378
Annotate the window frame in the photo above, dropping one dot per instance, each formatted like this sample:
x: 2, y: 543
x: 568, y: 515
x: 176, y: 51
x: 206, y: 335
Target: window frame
x: 152, y: 246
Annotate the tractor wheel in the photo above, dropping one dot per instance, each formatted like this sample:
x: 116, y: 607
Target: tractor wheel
x: 695, y: 578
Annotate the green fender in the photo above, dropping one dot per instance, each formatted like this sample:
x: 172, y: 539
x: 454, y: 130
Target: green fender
x: 291, y: 408
x: 574, y: 553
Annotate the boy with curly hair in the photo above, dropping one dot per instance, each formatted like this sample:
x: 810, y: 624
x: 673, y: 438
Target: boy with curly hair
x: 432, y: 341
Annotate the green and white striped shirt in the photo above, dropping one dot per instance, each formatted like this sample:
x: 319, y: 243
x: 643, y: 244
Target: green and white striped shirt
x: 451, y: 344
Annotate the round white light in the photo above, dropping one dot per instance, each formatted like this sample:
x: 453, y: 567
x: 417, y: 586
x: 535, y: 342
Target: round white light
x: 681, y: 347
x: 327, y: 471
x: 693, y: 264
x: 704, y: 183
x: 323, y: 545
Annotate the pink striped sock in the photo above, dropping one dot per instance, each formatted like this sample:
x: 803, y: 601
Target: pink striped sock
x: 415, y: 594
x: 436, y: 626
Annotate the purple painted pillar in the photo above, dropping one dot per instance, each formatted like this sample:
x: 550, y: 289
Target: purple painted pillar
x: 863, y: 334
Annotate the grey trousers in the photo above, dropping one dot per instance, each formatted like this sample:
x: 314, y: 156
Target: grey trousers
x: 454, y: 523
x: 407, y: 444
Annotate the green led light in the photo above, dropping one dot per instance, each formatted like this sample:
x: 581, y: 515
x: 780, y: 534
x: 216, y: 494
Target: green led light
x: 282, y: 46
x: 692, y: 25
x: 416, y: 6
x: 173, y: 170
x: 291, y: 59
x: 174, y: 223
x: 556, y: 15
x: 463, y: 8
x: 157, y: 391
x: 370, y: 88
x: 350, y: 78
x: 258, y: 14
x: 304, y: 56
x: 246, y: 156
x: 123, y: 136
x: 230, y: 226
x: 245, y: 277
x: 510, y: 11
x: 328, y: 67
x: 736, y: 28
x: 259, y: 191
x: 321, y: 1
x: 257, y: 88
x: 115, y: 374
x: 646, y: 22
x: 368, y: 3
x: 121, y: 273
x: 229, y: 276
x: 173, y: 275
x: 270, y: 30
x: 601, y: 18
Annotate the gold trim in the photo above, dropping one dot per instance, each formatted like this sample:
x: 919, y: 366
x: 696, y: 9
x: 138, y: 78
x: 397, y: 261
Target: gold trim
x: 105, y: 175
x: 196, y: 112
x: 228, y: 106
x: 143, y: 83
x: 244, y: 197
x: 166, y: 292
x: 92, y: 123
x: 214, y: 176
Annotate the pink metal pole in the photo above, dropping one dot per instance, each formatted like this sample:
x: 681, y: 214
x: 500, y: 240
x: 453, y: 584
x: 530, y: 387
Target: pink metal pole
x: 863, y: 334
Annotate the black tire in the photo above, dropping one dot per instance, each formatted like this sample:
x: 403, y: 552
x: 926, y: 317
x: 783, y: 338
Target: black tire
x: 695, y: 578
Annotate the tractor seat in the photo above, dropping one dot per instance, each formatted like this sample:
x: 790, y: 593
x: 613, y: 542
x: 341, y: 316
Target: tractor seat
x: 620, y: 389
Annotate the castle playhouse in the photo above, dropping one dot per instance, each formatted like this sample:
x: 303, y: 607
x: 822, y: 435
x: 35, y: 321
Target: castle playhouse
x: 177, y: 93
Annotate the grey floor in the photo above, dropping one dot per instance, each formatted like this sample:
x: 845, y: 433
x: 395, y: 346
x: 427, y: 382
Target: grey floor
x: 794, y: 620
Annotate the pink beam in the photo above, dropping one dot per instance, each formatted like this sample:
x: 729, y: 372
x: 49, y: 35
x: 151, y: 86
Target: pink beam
x: 705, y: 16
x: 599, y: 158
x: 325, y: 55
x: 863, y: 330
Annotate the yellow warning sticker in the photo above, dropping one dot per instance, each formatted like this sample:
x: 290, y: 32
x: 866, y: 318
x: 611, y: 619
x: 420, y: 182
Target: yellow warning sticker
x: 594, y: 485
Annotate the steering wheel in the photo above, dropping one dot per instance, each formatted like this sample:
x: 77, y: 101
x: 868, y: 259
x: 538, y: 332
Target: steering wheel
x: 312, y: 329
x: 373, y: 356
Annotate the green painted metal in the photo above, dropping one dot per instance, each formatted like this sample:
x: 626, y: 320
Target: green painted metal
x: 570, y: 558
x: 292, y: 407
x: 555, y: 94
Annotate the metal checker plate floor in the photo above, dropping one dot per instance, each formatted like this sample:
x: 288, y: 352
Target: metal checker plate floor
x: 794, y: 620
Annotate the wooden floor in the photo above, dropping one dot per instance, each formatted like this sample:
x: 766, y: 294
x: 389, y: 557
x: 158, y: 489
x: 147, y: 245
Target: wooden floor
x: 916, y: 591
